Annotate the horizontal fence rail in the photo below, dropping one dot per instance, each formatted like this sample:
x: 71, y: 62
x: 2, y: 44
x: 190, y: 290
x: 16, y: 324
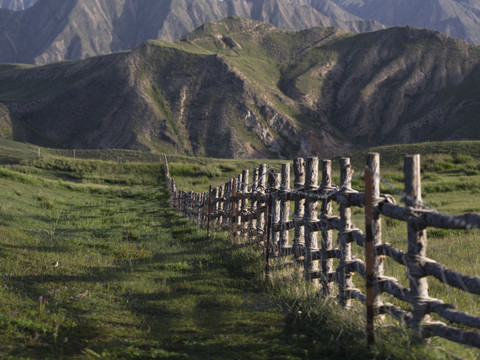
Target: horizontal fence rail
x: 255, y: 210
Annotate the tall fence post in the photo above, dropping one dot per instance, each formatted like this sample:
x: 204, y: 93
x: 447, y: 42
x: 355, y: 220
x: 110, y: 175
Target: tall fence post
x: 374, y: 164
x: 345, y: 281
x: 226, y: 204
x: 327, y: 235
x: 220, y: 209
x: 285, y: 247
x: 373, y: 239
x: 369, y: 256
x: 268, y: 232
x: 209, y: 208
x: 244, y: 190
x: 254, y: 204
x: 299, y: 212
x: 275, y: 214
x: 262, y: 171
x: 191, y: 206
x: 311, y: 212
x: 234, y: 211
x: 417, y: 242
x: 238, y: 202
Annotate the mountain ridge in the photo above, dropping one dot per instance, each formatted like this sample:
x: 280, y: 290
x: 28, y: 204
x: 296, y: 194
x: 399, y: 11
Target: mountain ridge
x: 219, y: 92
x: 83, y: 28
x: 460, y: 19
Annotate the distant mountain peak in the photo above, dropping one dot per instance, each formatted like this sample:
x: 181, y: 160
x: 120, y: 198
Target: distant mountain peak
x: 78, y: 29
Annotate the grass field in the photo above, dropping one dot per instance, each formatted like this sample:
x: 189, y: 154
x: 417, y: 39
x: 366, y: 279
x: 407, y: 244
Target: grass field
x: 135, y: 280
x: 451, y: 185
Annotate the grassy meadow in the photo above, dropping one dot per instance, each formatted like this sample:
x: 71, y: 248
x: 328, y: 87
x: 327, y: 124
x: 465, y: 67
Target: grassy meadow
x: 94, y: 264
x: 450, y: 184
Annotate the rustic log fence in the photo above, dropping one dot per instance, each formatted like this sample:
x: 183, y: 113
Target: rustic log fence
x: 256, y: 211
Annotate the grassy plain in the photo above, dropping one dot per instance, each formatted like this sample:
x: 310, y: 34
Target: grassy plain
x: 135, y: 280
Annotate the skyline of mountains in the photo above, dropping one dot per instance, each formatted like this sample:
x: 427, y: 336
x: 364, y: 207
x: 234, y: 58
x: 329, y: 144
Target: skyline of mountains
x: 240, y: 88
x: 56, y: 30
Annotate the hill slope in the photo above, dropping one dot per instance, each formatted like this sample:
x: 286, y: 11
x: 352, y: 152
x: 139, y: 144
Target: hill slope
x: 457, y: 18
x: 239, y: 88
x: 76, y: 29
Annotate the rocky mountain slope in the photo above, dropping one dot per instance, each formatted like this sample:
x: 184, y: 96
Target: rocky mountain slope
x: 240, y: 88
x: 17, y: 4
x: 457, y: 18
x: 55, y: 30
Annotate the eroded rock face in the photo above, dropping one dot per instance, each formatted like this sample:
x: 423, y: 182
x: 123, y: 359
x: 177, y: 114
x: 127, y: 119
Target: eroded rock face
x: 17, y: 4
x: 322, y: 93
x: 77, y: 29
x: 460, y: 19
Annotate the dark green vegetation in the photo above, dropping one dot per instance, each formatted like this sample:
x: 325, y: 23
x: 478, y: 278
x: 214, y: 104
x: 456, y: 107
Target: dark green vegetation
x: 135, y: 280
x: 242, y: 89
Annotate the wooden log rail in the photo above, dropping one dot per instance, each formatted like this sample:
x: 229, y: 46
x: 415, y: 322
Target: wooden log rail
x: 262, y: 213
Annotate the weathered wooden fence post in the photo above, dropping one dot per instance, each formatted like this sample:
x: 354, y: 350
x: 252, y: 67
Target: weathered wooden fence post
x: 373, y: 238
x: 262, y: 171
x: 417, y: 242
x: 191, y: 206
x: 204, y: 208
x: 234, y: 211
x: 254, y: 204
x: 194, y: 208
x: 345, y: 281
x: 285, y: 247
x: 311, y: 211
x: 226, y: 204
x: 220, y: 205
x: 244, y: 190
x: 209, y: 210
x: 369, y: 256
x: 200, y: 208
x: 327, y: 235
x: 299, y: 184
x: 230, y: 201
x: 268, y: 231
x: 374, y: 164
x: 238, y: 202
x: 274, y: 187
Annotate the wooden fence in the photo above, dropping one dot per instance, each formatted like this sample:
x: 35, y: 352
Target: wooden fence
x: 260, y: 211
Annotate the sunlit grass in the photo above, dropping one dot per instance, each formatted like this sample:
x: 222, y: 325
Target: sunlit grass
x: 135, y: 280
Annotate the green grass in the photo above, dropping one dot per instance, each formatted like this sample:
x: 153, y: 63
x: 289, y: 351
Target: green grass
x: 450, y: 181
x: 135, y: 280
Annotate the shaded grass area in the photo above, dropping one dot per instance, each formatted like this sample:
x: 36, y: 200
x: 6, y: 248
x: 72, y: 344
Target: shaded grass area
x: 89, y: 270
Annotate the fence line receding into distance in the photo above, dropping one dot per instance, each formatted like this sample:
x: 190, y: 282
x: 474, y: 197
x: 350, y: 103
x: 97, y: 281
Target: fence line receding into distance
x: 257, y: 211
